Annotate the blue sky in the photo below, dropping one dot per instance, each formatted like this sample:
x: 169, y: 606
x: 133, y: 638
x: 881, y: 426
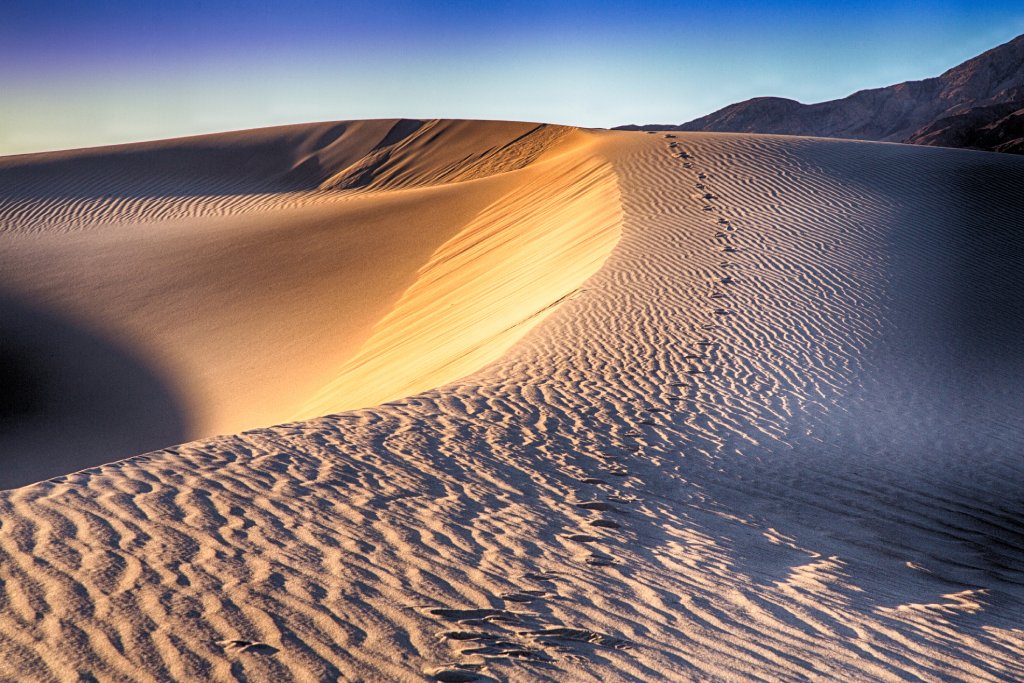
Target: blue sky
x: 76, y: 74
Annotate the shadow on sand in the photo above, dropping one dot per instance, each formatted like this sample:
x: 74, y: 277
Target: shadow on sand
x: 71, y: 400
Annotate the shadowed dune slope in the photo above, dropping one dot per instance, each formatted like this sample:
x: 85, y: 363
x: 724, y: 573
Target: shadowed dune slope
x: 246, y: 272
x: 775, y: 436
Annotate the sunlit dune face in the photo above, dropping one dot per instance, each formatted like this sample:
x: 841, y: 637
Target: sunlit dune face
x: 295, y: 272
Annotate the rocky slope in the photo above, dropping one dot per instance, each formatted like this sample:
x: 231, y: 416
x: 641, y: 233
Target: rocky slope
x: 970, y: 105
x: 998, y: 127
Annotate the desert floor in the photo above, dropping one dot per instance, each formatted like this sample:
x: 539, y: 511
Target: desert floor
x: 551, y: 404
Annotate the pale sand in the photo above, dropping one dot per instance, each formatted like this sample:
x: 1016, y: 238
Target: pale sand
x: 274, y: 296
x: 775, y: 435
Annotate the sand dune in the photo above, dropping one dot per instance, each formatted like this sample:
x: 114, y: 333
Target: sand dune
x: 252, y: 275
x: 773, y: 435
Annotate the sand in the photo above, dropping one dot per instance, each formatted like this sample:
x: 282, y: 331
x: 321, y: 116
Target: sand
x: 686, y: 407
x: 234, y: 281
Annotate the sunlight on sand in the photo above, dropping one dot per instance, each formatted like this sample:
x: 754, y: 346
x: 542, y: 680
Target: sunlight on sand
x: 659, y: 407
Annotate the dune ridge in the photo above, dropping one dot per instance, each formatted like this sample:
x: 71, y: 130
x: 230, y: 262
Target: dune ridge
x: 486, y: 287
x: 253, y: 272
x: 774, y: 436
x: 251, y: 171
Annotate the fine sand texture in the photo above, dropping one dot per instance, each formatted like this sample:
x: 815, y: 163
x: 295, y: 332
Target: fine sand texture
x: 566, y: 405
x: 157, y: 293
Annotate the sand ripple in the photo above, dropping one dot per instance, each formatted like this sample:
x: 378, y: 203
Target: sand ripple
x: 752, y: 446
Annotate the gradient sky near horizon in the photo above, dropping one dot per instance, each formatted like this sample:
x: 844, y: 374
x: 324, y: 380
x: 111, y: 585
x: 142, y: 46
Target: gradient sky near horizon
x: 81, y: 73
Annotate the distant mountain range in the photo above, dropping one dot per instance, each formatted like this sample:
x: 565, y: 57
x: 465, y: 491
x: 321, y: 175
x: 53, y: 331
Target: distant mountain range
x: 978, y: 104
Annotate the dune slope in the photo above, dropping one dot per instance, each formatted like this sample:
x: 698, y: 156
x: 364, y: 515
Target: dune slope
x: 775, y: 436
x: 233, y: 281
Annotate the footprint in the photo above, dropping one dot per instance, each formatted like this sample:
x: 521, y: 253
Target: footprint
x: 583, y: 538
x: 454, y: 674
x: 600, y: 560
x: 502, y: 649
x: 523, y: 596
x: 598, y: 505
x: 577, y: 635
x: 471, y: 615
x: 618, y: 498
x: 239, y: 645
x: 605, y: 523
x: 475, y: 636
x: 507, y: 649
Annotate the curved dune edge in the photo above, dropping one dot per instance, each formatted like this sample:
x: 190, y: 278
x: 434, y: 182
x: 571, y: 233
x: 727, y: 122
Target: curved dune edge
x: 263, y: 276
x: 489, y: 285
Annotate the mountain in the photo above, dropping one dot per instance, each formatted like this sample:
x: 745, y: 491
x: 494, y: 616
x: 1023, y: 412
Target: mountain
x: 976, y: 104
x: 998, y: 127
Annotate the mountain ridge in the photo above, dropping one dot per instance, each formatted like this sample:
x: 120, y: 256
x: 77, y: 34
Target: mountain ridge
x: 981, y: 100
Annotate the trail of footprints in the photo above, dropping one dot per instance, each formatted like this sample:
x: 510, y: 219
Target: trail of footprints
x: 723, y: 228
x: 526, y: 636
x: 521, y: 631
x: 518, y: 634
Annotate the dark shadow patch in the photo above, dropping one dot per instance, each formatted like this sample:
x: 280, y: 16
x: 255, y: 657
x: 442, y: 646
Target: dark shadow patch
x: 71, y: 400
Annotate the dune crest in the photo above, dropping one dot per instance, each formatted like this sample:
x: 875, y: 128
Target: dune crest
x: 487, y: 286
x: 268, y: 275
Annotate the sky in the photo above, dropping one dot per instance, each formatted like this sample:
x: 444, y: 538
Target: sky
x: 78, y: 73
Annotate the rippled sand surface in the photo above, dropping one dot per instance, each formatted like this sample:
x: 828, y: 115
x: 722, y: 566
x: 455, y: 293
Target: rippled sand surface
x: 751, y: 412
